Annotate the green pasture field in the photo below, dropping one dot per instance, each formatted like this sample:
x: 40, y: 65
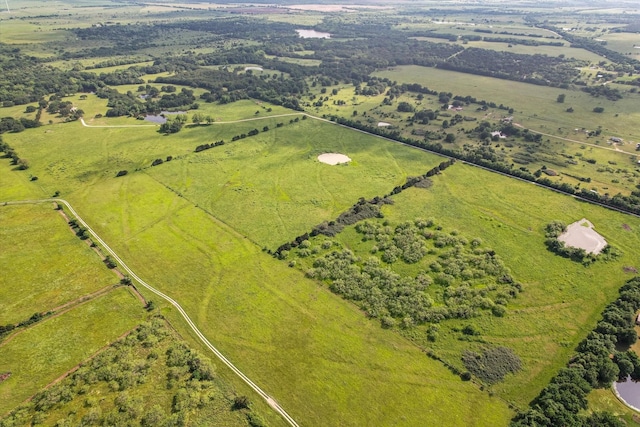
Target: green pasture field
x: 16, y: 184
x: 615, y: 168
x: 40, y: 354
x: 535, y: 106
x: 561, y: 301
x: 315, y: 354
x: 299, y: 61
x: 271, y: 187
x: 70, y: 64
x: 67, y: 268
x: 606, y: 400
x: 146, y: 224
x: 569, y: 52
x: 625, y: 43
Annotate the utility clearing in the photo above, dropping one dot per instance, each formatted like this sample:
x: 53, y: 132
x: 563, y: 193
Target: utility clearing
x: 582, y: 235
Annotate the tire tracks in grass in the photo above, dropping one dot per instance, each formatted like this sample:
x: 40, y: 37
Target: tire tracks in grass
x: 270, y: 400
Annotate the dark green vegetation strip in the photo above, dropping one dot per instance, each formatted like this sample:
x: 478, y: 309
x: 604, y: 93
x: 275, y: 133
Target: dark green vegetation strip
x: 487, y: 159
x: 601, y: 358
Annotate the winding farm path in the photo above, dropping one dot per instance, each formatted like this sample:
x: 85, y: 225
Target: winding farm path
x: 213, y: 123
x: 276, y: 407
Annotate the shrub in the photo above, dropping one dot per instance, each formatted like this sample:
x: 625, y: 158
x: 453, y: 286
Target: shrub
x: 492, y: 364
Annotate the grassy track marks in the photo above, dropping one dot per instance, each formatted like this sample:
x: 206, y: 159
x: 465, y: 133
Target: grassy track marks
x: 36, y: 235
x: 317, y: 355
x: 562, y: 299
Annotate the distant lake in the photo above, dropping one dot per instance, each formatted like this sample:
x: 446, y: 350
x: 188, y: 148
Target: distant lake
x: 313, y: 34
x: 629, y: 392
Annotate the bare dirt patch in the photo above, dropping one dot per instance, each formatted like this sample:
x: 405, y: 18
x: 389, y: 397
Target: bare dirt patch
x: 581, y: 235
x: 333, y: 158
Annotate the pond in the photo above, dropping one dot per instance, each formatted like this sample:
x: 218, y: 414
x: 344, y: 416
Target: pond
x: 313, y: 34
x: 629, y: 392
x: 160, y: 118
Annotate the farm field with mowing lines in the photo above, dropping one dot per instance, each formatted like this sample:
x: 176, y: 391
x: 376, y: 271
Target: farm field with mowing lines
x: 510, y: 217
x: 37, y: 235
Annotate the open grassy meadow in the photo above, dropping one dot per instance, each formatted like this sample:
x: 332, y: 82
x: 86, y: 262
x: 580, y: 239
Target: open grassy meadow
x: 391, y: 322
x: 316, y: 354
x: 37, y: 356
x: 271, y: 187
x: 561, y: 301
x: 67, y: 268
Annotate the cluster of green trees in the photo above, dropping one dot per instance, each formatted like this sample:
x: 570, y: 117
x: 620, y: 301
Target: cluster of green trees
x: 225, y: 86
x: 110, y: 388
x: 10, y: 153
x: 472, y: 279
x: 612, y: 94
x: 173, y: 124
x: 537, y: 69
x: 599, y: 360
x: 203, y: 147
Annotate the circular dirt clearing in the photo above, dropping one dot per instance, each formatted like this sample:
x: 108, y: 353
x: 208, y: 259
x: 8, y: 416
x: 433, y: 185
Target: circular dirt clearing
x: 333, y: 158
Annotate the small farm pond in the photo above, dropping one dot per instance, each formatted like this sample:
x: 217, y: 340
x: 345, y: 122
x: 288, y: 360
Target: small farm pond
x: 313, y: 34
x: 160, y: 118
x: 629, y: 392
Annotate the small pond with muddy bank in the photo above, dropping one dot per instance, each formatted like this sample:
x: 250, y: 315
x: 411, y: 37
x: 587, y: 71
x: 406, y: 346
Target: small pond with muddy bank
x: 629, y: 392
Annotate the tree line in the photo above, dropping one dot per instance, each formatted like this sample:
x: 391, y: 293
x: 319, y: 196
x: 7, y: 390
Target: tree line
x: 361, y: 210
x: 599, y: 360
x: 485, y: 157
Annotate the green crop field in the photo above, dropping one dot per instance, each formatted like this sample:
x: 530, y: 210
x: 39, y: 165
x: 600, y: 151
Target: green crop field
x: 37, y: 356
x: 38, y: 235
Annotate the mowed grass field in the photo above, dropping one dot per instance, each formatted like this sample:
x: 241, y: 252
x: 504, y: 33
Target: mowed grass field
x: 535, y: 106
x: 67, y: 269
x: 37, y: 356
x: 271, y: 187
x: 316, y: 354
x: 562, y: 300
